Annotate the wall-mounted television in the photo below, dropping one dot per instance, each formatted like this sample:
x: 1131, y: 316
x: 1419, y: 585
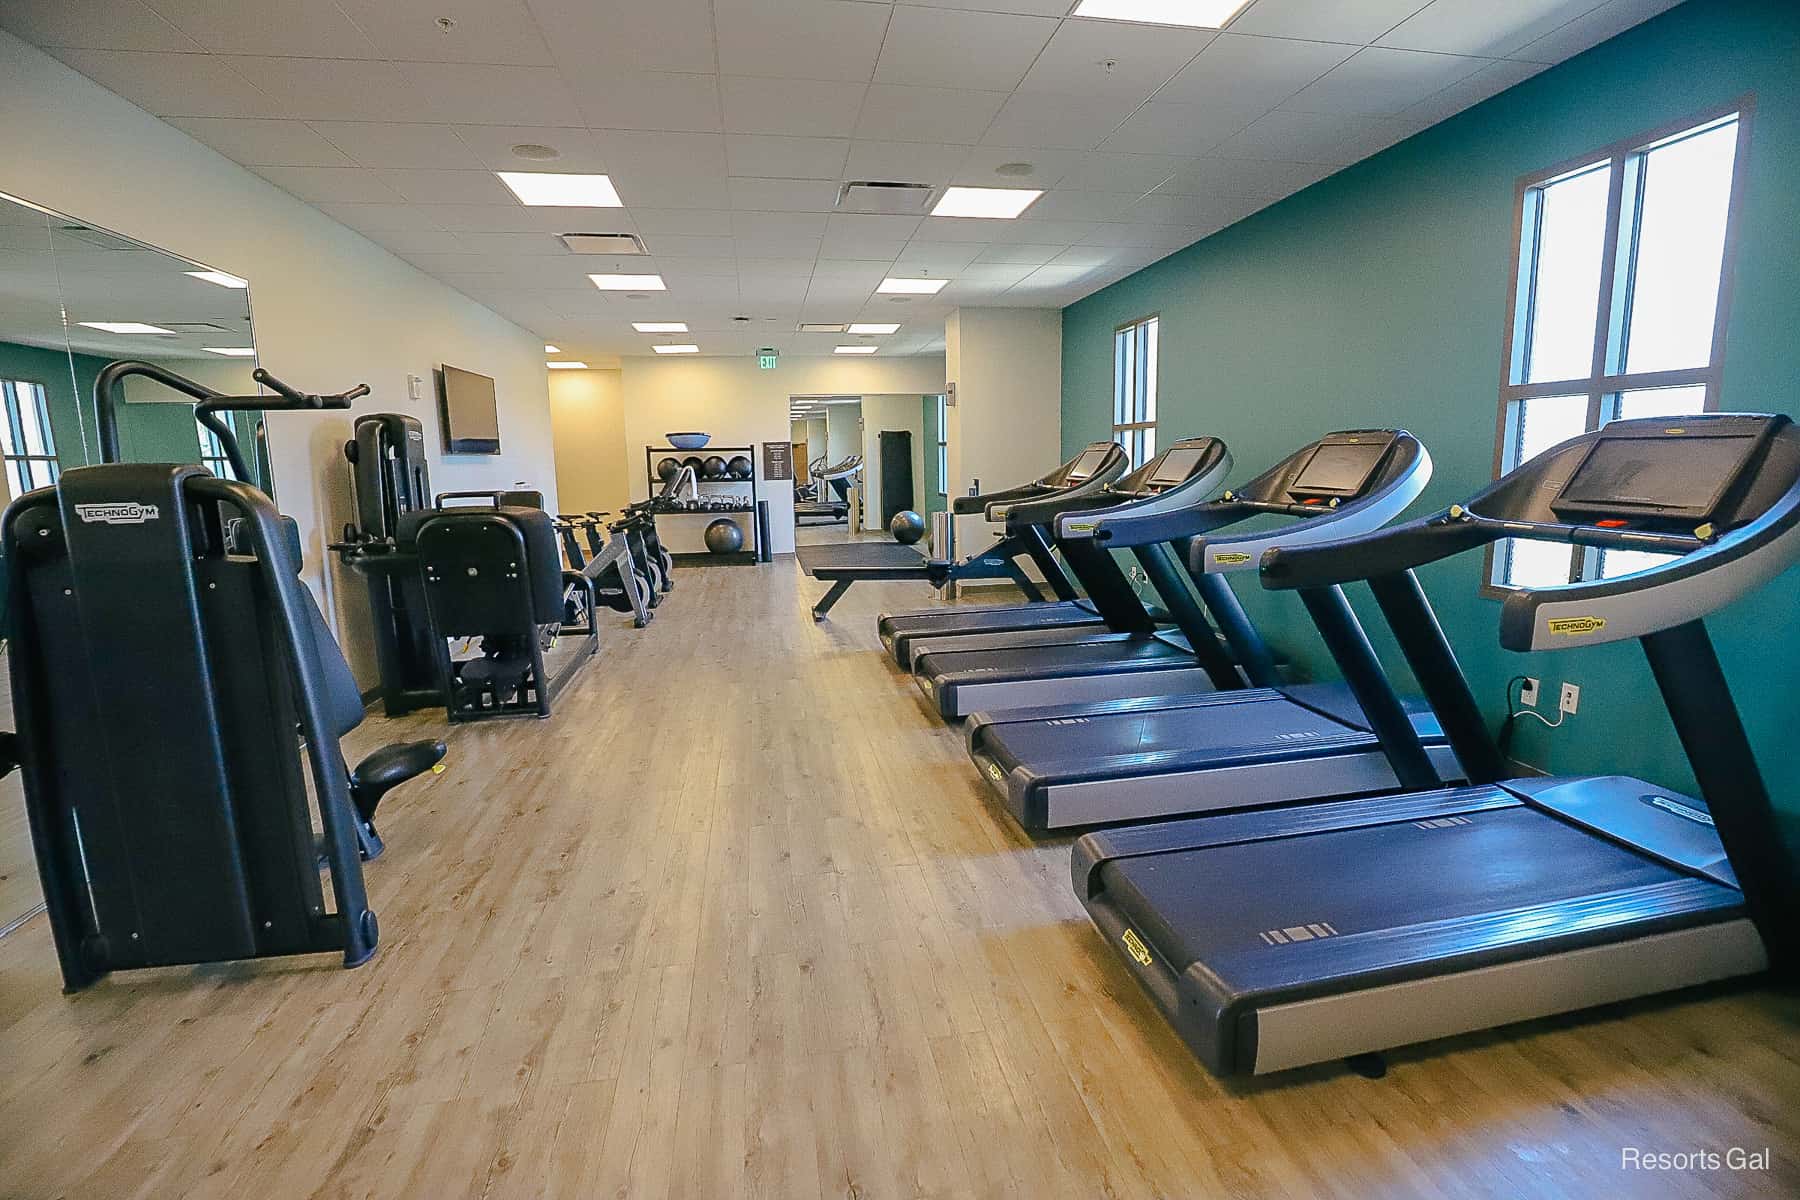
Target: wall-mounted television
x: 471, y: 412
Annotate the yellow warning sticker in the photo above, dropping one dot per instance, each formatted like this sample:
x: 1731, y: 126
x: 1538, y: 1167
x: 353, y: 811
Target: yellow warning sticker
x: 1231, y: 558
x: 994, y: 770
x: 1134, y: 946
x: 1080, y: 526
x: 1575, y: 626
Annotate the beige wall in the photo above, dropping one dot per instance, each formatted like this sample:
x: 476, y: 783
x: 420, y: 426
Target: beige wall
x: 1006, y: 424
x: 331, y: 307
x: 587, y: 413
x: 741, y: 405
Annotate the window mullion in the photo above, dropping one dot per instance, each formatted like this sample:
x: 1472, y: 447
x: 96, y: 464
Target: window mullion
x: 1604, y: 315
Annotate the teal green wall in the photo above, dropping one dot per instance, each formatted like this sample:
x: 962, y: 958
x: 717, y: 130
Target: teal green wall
x: 147, y: 432
x: 1378, y: 296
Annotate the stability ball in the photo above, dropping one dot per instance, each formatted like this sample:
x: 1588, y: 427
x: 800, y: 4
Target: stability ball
x: 907, y: 527
x: 724, y: 536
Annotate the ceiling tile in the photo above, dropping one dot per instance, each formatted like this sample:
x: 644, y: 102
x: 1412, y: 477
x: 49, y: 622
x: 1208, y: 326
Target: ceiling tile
x: 371, y: 218
x: 861, y: 245
x: 446, y: 187
x: 1065, y: 205
x: 970, y: 50
x: 516, y: 218
x: 776, y: 268
x: 777, y: 195
x: 648, y: 100
x: 696, y: 222
x: 482, y: 94
x: 1592, y: 28
x: 1379, y: 81
x: 1043, y: 119
x: 1168, y: 209
x: 1026, y: 231
x: 853, y: 271
x: 177, y: 85
x: 1358, y: 21
x: 393, y: 144
x: 1245, y: 177
x: 684, y: 245
x: 666, y: 170
x: 920, y: 114
x: 936, y: 259
x: 995, y: 273
x: 670, y: 35
x: 776, y: 245
x: 1165, y: 127
x: 1480, y: 27
x: 1100, y: 171
x: 1111, y: 58
x: 1148, y: 236
x: 1302, y: 137
x: 332, y: 89
x: 93, y: 24
x: 1253, y: 71
x: 1491, y: 80
x: 577, y: 149
x: 260, y: 143
x: 798, y: 107
x: 419, y: 241
x: 1027, y: 254
x: 916, y: 162
x: 529, y: 245
x: 799, y: 39
x: 773, y: 157
x: 343, y: 185
x: 304, y: 29
x: 486, y: 31
x: 778, y: 224
x: 1048, y: 166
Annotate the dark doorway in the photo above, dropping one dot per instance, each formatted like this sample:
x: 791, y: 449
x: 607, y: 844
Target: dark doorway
x: 896, y: 473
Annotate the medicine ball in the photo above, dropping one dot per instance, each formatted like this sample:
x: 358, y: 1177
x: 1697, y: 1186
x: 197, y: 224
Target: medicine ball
x: 907, y: 527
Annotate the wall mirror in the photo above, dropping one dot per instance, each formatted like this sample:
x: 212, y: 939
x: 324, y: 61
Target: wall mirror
x: 74, y: 297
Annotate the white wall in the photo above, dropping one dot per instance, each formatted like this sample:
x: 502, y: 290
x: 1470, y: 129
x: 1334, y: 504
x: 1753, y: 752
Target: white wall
x: 741, y: 405
x: 1006, y: 424
x: 331, y: 307
x: 843, y: 432
x: 587, y: 412
x: 891, y: 413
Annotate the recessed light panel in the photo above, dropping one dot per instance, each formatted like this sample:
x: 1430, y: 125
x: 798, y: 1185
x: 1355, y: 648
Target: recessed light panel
x: 912, y: 287
x: 855, y: 350
x: 232, y: 351
x: 567, y: 366
x: 873, y: 327
x: 660, y: 326
x: 629, y: 283
x: 1001, y: 204
x: 822, y: 327
x: 219, y: 277
x: 127, y: 327
x: 549, y: 349
x: 538, y: 188
x: 1196, y: 14
x: 686, y: 349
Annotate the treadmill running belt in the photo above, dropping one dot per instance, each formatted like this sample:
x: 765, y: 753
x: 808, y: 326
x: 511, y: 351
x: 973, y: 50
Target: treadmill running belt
x: 1214, y: 904
x: 1194, y: 731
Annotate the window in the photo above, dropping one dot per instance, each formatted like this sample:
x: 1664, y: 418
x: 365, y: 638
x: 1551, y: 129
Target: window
x: 943, y: 444
x: 1620, y: 293
x: 212, y: 453
x: 29, y: 446
x: 1134, y: 389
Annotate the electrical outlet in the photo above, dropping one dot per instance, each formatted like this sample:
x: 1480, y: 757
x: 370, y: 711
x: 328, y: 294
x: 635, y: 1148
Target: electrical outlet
x: 1571, y: 698
x: 1528, y: 692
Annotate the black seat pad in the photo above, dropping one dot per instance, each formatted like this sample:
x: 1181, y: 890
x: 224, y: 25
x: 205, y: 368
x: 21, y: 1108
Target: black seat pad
x: 391, y: 766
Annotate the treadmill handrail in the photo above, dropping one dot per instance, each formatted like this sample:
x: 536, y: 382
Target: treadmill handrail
x: 1145, y: 520
x: 1363, y: 514
x: 1094, y: 504
x: 1114, y: 468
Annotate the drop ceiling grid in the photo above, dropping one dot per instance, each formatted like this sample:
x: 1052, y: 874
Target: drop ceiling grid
x: 729, y: 125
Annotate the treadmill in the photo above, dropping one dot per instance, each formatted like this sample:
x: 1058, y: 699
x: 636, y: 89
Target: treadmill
x: 1063, y: 766
x: 1191, y: 468
x: 845, y: 563
x: 905, y: 634
x: 1285, y: 937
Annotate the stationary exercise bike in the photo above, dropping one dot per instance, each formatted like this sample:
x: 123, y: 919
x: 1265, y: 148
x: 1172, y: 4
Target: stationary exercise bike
x: 618, y: 581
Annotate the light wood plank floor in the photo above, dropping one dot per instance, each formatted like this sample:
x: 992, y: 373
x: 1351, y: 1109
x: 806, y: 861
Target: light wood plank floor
x: 739, y: 922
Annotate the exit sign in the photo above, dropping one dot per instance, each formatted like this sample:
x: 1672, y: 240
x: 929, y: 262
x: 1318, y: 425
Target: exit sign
x: 765, y: 358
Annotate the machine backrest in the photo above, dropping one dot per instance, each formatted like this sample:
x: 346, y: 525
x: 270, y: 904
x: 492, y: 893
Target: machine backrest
x: 389, y: 471
x: 481, y: 564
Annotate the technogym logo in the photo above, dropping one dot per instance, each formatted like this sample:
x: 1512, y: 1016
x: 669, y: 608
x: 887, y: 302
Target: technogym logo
x: 1575, y: 626
x: 124, y: 512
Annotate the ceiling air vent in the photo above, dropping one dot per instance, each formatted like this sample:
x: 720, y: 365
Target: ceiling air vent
x: 872, y: 196
x: 603, y: 243
x: 194, y: 327
x: 822, y: 327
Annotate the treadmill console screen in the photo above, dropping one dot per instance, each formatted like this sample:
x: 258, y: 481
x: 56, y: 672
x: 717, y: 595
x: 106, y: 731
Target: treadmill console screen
x: 1673, y: 477
x: 1177, y: 465
x: 1339, y: 469
x: 1086, y: 465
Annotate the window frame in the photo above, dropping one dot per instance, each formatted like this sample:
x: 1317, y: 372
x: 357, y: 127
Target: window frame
x: 15, y: 423
x: 1134, y: 430
x: 1603, y: 385
x: 218, y: 463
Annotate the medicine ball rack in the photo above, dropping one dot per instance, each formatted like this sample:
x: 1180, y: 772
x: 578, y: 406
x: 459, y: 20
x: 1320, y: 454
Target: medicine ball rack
x: 757, y: 548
